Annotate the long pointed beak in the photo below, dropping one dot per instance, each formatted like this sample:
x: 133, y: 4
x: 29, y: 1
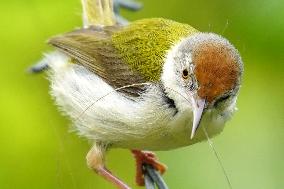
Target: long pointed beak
x: 197, y: 115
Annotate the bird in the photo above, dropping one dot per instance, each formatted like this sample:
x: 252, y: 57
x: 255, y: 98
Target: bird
x: 145, y: 86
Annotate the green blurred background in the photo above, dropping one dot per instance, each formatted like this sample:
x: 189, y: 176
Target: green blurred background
x: 38, y: 151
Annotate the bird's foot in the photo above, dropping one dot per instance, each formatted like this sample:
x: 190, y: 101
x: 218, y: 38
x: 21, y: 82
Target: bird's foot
x: 146, y: 158
x: 95, y: 161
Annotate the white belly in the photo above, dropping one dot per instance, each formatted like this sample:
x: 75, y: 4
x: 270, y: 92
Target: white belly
x: 176, y: 133
x: 146, y: 123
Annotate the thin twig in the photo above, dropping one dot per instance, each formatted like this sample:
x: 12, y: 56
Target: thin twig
x: 153, y: 175
x: 126, y: 4
x: 38, y: 67
x: 149, y: 183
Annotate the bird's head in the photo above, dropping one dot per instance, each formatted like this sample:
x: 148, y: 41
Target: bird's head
x: 201, y: 73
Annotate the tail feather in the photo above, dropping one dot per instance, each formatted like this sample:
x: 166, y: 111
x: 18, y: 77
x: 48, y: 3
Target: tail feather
x: 98, y: 13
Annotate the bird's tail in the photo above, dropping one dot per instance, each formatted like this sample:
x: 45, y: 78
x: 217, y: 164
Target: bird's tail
x: 98, y: 13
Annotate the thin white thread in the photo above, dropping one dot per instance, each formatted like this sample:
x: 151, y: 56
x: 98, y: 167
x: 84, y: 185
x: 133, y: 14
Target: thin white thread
x: 225, y: 27
x: 210, y: 142
x: 66, y: 160
x: 112, y: 91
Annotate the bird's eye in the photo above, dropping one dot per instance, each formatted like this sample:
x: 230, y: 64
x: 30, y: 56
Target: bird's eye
x: 185, y: 74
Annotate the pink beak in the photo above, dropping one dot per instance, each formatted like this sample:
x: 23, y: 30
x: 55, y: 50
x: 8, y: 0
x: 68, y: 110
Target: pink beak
x: 197, y: 115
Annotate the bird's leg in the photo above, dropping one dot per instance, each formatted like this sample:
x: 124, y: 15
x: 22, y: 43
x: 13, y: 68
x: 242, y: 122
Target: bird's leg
x: 146, y: 158
x: 95, y: 161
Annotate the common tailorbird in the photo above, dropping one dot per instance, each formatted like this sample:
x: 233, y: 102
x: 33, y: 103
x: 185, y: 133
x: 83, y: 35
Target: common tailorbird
x: 148, y: 85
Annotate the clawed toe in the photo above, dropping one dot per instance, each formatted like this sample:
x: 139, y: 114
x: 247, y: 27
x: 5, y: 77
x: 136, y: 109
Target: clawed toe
x: 149, y: 158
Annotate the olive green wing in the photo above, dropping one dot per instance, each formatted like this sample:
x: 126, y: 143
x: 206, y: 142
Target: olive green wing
x: 124, y: 55
x: 93, y: 49
x: 144, y: 44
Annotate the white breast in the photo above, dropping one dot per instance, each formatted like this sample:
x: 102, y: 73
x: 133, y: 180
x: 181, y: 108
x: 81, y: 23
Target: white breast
x: 146, y: 123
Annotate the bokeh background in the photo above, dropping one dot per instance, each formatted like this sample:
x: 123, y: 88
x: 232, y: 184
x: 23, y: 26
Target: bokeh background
x: 38, y: 151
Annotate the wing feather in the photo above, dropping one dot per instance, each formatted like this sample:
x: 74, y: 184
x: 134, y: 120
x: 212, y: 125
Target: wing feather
x: 93, y: 49
x: 124, y: 55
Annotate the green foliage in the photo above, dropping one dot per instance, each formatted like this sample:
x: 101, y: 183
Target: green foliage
x: 37, y: 151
